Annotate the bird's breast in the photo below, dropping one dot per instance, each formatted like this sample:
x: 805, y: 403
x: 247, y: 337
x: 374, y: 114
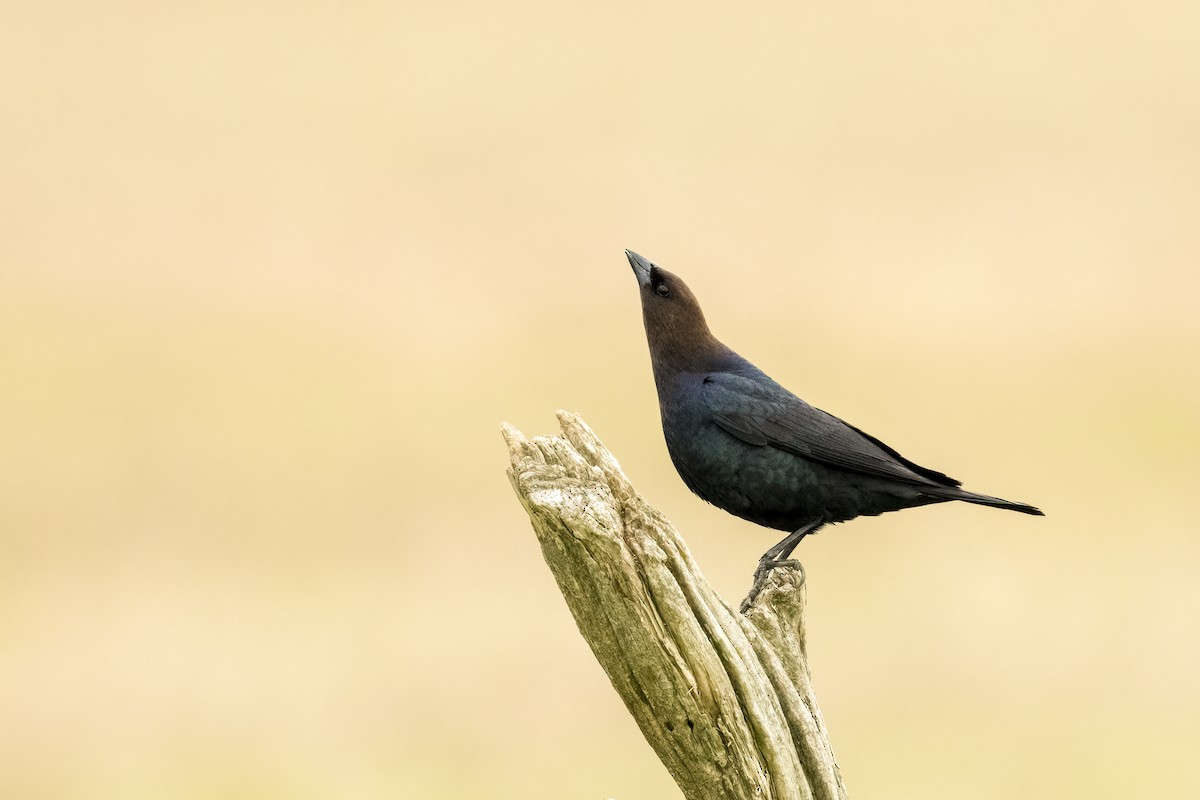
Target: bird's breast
x: 761, y: 484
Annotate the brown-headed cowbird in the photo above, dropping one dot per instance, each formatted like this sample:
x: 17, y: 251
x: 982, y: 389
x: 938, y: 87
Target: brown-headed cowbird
x: 749, y: 446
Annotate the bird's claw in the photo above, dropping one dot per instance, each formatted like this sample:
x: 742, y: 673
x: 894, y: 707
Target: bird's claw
x: 762, y: 572
x: 784, y: 563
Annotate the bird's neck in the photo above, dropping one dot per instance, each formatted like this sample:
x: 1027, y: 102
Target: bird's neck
x: 685, y: 348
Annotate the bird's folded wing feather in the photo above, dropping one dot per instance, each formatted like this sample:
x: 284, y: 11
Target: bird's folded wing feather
x: 763, y: 413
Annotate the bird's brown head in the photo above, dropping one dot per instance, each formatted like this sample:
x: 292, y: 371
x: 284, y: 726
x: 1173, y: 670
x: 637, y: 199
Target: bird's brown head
x: 675, y: 326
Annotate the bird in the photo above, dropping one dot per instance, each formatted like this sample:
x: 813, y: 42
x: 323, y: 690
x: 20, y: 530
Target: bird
x: 744, y: 443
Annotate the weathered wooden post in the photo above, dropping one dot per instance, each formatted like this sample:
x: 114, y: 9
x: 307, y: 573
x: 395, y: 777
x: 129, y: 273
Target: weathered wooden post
x: 724, y: 698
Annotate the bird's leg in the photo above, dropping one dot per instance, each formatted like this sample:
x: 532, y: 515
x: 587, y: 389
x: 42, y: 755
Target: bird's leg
x: 785, y: 547
x: 777, y: 556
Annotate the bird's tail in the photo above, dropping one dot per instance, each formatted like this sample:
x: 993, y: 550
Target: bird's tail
x: 987, y: 500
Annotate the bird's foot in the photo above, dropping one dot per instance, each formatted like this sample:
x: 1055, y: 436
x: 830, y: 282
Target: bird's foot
x: 762, y: 572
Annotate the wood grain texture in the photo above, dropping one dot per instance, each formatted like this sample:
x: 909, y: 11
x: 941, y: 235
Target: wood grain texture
x: 725, y: 699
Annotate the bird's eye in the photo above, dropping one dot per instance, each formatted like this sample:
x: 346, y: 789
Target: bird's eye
x: 662, y: 290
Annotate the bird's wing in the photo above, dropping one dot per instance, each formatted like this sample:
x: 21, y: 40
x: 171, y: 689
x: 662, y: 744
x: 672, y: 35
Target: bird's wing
x: 763, y: 413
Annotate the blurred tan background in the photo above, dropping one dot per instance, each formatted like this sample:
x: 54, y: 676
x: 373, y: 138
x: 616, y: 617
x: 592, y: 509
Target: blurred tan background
x: 272, y: 275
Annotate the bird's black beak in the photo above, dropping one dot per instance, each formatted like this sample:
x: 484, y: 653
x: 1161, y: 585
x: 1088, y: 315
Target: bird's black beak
x: 641, y: 267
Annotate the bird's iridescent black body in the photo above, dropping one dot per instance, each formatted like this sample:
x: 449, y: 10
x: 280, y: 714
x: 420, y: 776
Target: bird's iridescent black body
x: 749, y: 446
